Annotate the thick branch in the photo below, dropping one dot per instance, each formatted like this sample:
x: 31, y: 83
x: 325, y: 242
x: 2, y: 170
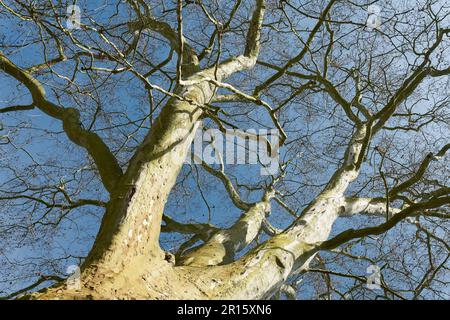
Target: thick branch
x: 177, y: 42
x: 17, y: 108
x: 294, y: 248
x: 366, y: 206
x: 420, y: 172
x: 203, y: 230
x: 351, y: 234
x: 224, y: 244
x: 252, y: 47
x: 105, y: 161
x: 132, y: 222
x: 220, y: 174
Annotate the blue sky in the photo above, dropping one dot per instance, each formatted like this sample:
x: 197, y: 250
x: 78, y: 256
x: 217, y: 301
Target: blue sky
x: 41, y: 150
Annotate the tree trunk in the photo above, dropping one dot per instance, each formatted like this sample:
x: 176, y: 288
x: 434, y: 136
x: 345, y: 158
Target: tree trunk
x: 126, y: 261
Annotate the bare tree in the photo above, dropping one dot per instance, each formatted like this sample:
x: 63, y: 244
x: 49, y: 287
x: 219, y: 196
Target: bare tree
x: 98, y: 116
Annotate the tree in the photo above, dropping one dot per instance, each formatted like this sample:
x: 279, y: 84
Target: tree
x: 359, y: 99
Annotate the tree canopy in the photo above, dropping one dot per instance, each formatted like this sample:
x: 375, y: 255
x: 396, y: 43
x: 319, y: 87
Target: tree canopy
x: 115, y: 130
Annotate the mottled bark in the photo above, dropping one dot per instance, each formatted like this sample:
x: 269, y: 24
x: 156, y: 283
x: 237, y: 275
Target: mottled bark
x: 126, y: 250
x: 126, y: 261
x: 223, y: 245
x: 261, y: 272
x: 291, y: 250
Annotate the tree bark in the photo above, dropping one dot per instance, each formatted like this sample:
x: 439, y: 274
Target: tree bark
x: 126, y: 260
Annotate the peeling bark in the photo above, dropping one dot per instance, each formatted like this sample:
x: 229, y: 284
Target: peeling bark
x: 126, y: 258
x: 126, y: 261
x: 224, y: 244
